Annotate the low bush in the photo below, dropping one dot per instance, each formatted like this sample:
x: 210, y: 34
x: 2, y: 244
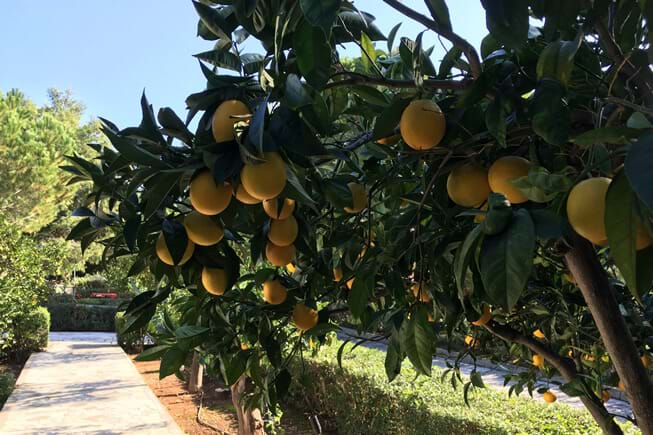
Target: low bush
x: 132, y: 342
x: 359, y: 399
x: 30, y: 333
x: 100, y: 301
x: 81, y: 317
x: 7, y: 382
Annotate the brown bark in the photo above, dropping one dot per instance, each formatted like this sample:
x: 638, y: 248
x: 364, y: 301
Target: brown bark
x: 595, y: 287
x: 195, y: 379
x: 565, y: 367
x: 250, y: 421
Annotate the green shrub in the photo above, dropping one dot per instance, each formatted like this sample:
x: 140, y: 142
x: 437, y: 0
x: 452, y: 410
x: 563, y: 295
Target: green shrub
x: 80, y: 317
x: 132, y: 342
x: 99, y: 301
x: 30, y: 333
x: 359, y: 399
x: 7, y: 382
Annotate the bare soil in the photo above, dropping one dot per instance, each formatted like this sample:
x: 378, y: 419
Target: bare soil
x: 218, y: 415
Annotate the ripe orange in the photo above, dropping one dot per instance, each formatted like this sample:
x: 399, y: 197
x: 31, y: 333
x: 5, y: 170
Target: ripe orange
x: 222, y: 124
x: 621, y: 385
x: 467, y: 185
x: 422, y: 124
x: 350, y: 283
x: 358, y: 197
x: 208, y: 198
x: 481, y: 216
x: 265, y: 180
x: 243, y: 196
x: 605, y: 395
x: 471, y: 341
x: 538, y: 360
x: 549, y: 397
x: 539, y: 334
x: 271, y: 208
x: 304, y: 317
x: 646, y: 361
x: 389, y: 140
x: 420, y: 292
x: 202, y: 230
x: 283, y: 232
x: 164, y: 254
x: 279, y: 255
x: 503, y: 172
x: 586, y: 208
x: 291, y: 268
x: 485, y: 317
x: 214, y: 280
x: 244, y: 346
x: 274, y: 292
x: 643, y: 240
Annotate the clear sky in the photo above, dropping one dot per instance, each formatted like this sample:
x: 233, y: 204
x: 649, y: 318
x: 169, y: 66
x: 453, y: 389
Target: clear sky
x: 107, y: 52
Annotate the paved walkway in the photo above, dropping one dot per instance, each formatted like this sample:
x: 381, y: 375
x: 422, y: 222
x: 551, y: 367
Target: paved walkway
x: 494, y: 375
x: 83, y: 384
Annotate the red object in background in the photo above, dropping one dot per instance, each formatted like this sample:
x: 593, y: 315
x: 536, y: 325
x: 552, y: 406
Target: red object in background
x: 104, y: 295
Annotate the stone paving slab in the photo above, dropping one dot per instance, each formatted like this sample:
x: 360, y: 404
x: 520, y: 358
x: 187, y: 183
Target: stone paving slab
x: 83, y: 384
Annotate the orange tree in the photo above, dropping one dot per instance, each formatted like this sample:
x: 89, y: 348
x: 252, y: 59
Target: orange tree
x: 504, y: 196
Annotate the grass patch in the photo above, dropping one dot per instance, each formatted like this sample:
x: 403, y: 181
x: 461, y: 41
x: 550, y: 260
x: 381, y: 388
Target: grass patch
x: 7, y: 382
x: 359, y: 396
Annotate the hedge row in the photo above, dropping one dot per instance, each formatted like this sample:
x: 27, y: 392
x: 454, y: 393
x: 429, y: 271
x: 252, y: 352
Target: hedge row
x: 81, y: 317
x: 358, y: 399
x: 29, y: 333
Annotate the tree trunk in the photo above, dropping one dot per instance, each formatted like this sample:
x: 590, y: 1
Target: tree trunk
x: 595, y: 287
x: 250, y: 421
x: 565, y: 367
x: 196, y: 374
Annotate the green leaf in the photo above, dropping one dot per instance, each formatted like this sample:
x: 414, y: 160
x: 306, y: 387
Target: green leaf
x: 498, y: 216
x: 368, y: 52
x: 386, y: 123
x: 607, y: 135
x: 176, y: 239
x: 506, y: 260
x: 173, y: 126
x: 222, y: 58
x: 551, y: 119
x: 296, y: 94
x: 189, y: 331
x: 556, y: 61
x: 233, y: 367
x: 639, y: 162
x: 542, y: 186
x: 439, y: 12
x: 252, y: 62
x: 507, y: 21
x: 152, y: 353
x: 645, y: 269
x: 313, y: 54
x: 393, y: 358
x: 134, y: 153
x: 391, y: 36
x: 575, y: 388
x: 370, y: 94
x: 172, y: 361
x: 495, y: 118
x: 360, y: 293
x: 638, y: 119
x: 320, y: 13
x: 418, y: 340
x: 621, y: 222
x: 214, y: 21
x: 164, y: 183
x: 464, y: 256
x: 477, y: 379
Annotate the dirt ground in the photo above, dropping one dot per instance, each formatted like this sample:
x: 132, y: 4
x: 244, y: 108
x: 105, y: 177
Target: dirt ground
x: 218, y: 415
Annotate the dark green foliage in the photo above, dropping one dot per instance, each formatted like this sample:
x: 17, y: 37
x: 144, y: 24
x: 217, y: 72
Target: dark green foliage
x: 131, y: 342
x: 30, y: 333
x: 7, y: 382
x: 80, y: 317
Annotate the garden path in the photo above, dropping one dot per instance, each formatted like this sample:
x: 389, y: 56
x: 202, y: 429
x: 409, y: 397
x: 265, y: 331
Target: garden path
x: 84, y: 383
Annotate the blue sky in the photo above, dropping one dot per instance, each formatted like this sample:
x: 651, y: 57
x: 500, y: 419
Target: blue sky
x: 107, y: 52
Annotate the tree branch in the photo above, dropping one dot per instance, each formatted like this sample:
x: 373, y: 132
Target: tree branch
x: 467, y: 48
x: 564, y: 366
x: 360, y: 79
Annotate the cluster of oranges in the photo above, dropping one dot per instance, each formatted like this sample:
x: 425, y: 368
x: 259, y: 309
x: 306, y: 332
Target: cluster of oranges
x: 260, y: 182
